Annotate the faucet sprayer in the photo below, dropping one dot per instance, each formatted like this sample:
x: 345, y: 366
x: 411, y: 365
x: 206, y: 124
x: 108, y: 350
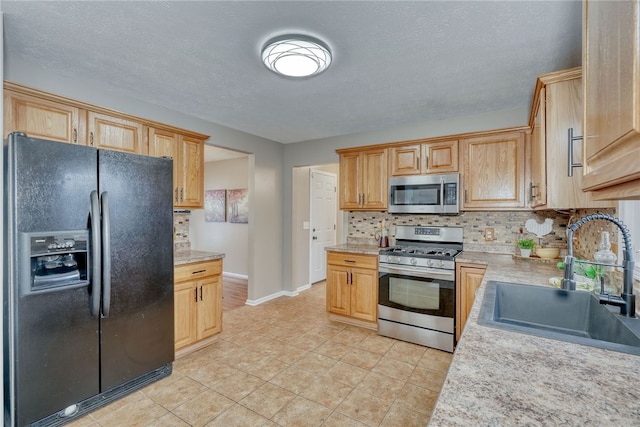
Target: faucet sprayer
x: 626, y: 301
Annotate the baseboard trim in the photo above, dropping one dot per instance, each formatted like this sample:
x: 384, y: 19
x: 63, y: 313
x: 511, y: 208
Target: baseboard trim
x: 262, y: 300
x: 235, y: 276
x: 304, y: 288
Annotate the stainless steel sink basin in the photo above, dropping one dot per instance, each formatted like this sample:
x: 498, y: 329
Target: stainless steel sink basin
x: 572, y: 316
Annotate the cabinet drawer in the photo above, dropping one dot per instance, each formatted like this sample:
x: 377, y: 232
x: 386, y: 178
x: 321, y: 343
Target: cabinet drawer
x: 353, y: 260
x: 197, y: 270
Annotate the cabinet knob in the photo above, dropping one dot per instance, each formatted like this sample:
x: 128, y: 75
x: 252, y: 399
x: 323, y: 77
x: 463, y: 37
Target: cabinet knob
x: 91, y: 138
x: 75, y: 135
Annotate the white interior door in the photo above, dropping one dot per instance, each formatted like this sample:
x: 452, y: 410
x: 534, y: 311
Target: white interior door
x: 322, y: 222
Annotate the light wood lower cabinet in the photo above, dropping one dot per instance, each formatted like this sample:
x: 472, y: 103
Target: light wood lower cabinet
x: 352, y: 285
x: 468, y: 280
x: 197, y: 302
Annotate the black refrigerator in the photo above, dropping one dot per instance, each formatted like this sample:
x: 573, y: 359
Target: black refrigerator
x: 88, y: 309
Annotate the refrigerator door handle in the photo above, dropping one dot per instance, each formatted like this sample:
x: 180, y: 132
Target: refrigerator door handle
x: 96, y: 259
x: 106, y: 254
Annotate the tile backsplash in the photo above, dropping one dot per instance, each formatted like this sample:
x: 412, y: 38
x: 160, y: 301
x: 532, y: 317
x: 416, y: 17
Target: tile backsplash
x: 181, y: 241
x: 507, y: 227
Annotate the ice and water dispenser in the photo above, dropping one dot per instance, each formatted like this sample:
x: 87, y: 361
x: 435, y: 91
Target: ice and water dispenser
x: 55, y: 260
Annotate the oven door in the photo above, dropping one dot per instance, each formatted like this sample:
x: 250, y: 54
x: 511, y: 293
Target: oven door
x: 418, y: 290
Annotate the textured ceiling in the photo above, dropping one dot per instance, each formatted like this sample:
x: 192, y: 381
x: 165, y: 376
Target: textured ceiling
x: 395, y: 62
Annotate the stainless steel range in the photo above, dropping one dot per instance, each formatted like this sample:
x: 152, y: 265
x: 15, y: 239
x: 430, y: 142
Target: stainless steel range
x: 416, y: 298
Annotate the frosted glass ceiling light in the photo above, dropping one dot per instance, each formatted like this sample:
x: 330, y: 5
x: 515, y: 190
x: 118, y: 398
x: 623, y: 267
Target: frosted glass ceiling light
x: 296, y: 56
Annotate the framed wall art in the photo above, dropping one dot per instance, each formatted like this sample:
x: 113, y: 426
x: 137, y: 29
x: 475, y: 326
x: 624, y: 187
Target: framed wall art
x: 215, y: 205
x: 238, y: 206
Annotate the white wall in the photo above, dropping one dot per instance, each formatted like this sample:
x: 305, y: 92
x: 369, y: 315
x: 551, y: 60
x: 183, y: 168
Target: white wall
x: 265, y: 189
x: 232, y: 239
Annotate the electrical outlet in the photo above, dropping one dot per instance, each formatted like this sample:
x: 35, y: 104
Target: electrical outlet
x: 489, y: 234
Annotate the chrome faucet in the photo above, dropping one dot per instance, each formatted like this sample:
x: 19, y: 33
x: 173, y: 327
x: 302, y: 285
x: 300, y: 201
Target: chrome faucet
x: 626, y: 301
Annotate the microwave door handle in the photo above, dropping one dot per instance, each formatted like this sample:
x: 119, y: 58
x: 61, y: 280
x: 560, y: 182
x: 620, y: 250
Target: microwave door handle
x: 442, y: 194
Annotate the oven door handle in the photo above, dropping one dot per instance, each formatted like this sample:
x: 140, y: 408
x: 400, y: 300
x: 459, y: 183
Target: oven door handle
x: 427, y: 273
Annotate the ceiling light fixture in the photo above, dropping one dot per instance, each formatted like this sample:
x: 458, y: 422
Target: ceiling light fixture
x: 296, y: 56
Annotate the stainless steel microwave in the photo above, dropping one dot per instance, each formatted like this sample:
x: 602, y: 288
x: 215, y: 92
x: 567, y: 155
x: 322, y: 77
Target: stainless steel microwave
x: 426, y: 194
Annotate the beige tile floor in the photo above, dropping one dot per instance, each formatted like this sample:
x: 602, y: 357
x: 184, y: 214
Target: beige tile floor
x: 284, y: 363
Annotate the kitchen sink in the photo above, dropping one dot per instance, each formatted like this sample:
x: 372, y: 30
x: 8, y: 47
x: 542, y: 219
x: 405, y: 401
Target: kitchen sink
x: 571, y: 316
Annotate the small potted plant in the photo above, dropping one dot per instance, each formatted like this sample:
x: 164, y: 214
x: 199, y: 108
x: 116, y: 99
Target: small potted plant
x: 526, y: 245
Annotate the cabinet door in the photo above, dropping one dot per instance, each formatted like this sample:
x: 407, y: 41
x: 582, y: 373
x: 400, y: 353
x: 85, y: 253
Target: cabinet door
x: 349, y: 186
x: 115, y: 133
x: 338, y: 290
x: 364, y: 294
x: 191, y: 179
x: 440, y: 157
x: 209, y: 307
x: 611, y: 61
x: 564, y: 110
x: 405, y: 160
x: 468, y: 280
x: 537, y: 188
x: 165, y: 144
x: 185, y: 328
x: 40, y: 118
x: 494, y: 171
x: 374, y: 179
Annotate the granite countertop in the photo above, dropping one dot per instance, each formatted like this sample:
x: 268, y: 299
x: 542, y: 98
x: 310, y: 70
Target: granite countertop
x: 187, y: 257
x: 354, y: 248
x: 505, y: 378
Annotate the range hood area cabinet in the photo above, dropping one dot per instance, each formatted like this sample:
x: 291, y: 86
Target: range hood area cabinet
x: 44, y: 115
x: 364, y: 179
x: 557, y: 107
x: 420, y: 158
x: 611, y: 60
x: 493, y: 170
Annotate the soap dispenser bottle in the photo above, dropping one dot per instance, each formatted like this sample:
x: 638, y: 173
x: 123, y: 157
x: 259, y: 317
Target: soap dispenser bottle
x: 605, y: 255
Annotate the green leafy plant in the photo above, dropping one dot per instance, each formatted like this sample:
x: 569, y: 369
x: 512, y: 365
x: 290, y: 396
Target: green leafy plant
x: 584, y: 269
x: 526, y: 244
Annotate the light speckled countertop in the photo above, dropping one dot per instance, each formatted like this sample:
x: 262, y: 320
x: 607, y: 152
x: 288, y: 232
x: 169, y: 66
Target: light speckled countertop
x: 187, y: 257
x: 502, y: 378
x: 354, y: 249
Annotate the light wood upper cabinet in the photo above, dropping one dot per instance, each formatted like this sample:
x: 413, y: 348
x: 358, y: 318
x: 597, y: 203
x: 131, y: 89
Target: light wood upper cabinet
x: 188, y: 165
x: 363, y: 180
x: 468, y: 280
x: 115, y: 133
x: 417, y: 159
x: 493, y: 171
x: 558, y: 102
x: 42, y: 118
x: 611, y: 60
x: 191, y: 172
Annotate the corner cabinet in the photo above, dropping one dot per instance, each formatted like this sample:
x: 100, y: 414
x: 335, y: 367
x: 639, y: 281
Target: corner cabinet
x: 188, y: 165
x: 493, y: 171
x: 352, y: 287
x: 611, y: 60
x: 557, y: 107
x: 363, y: 179
x: 468, y: 280
x: 197, y: 302
x: 425, y: 158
